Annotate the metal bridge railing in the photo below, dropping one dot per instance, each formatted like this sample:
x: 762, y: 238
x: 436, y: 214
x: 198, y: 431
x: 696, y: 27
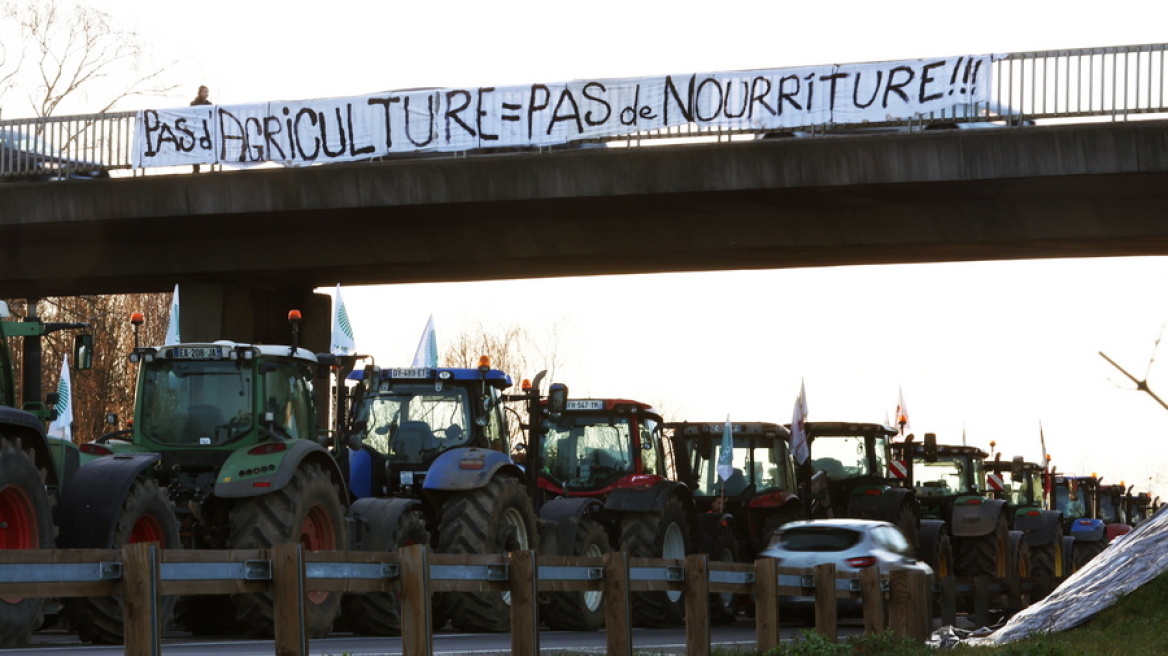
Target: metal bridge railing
x: 1113, y: 83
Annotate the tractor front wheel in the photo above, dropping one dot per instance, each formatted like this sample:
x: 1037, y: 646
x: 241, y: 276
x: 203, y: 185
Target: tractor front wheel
x: 580, y: 611
x: 661, y: 534
x: 145, y: 516
x: 379, y: 613
x: 27, y: 523
x: 495, y: 519
x: 307, y: 510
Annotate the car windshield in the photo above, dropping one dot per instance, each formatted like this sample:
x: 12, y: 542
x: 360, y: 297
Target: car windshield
x: 414, y: 423
x: 588, y: 451
x: 197, y: 402
x: 818, y: 538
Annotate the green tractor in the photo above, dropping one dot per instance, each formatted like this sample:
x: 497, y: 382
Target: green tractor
x: 33, y: 465
x: 1020, y: 485
x: 852, y: 472
x: 950, y: 483
x: 229, y: 433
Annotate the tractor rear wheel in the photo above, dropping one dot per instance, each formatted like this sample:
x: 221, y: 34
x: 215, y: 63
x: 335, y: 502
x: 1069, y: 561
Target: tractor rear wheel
x: 579, y: 611
x: 985, y: 554
x: 1083, y: 552
x: 27, y: 521
x: 307, y: 510
x: 379, y: 613
x: 145, y: 516
x: 1047, y: 560
x: 906, y: 521
x: 661, y: 534
x: 494, y: 519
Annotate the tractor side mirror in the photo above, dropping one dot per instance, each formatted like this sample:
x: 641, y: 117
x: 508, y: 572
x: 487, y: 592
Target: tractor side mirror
x: 83, y: 351
x: 930, y: 447
x: 557, y: 399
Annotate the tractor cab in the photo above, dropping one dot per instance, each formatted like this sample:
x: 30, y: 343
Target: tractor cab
x: 944, y: 476
x: 401, y: 420
x: 761, y: 469
x: 1018, y: 482
x: 760, y: 490
x: 597, y: 445
x: 863, y: 480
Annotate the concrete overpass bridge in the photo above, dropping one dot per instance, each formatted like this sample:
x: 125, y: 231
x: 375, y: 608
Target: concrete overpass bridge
x: 247, y: 245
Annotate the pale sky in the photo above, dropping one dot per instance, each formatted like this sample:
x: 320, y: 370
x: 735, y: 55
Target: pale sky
x: 988, y: 348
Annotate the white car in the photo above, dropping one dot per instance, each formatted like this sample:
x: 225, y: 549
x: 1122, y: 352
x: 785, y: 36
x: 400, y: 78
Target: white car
x: 850, y: 544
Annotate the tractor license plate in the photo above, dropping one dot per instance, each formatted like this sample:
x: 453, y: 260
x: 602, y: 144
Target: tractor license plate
x: 409, y: 373
x: 197, y: 353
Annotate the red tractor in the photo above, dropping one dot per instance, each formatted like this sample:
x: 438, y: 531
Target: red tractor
x: 602, y: 484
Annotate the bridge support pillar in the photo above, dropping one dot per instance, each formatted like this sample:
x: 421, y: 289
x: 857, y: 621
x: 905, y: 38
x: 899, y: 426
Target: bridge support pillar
x: 253, y: 314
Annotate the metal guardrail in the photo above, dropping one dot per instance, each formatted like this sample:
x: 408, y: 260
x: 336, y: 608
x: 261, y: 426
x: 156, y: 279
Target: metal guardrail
x: 1113, y: 83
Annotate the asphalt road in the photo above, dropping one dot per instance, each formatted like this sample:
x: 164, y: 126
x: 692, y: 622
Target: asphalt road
x: 664, y: 641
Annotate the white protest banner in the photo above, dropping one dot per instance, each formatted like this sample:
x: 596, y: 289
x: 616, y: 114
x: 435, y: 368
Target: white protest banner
x: 348, y: 129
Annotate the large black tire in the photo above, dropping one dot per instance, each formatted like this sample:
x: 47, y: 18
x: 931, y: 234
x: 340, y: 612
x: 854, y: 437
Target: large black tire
x: 308, y: 510
x: 656, y: 535
x: 985, y: 554
x: 28, y: 524
x: 1069, y: 555
x: 724, y: 549
x: 1019, y: 561
x: 495, y: 519
x: 208, y: 615
x: 1083, y: 552
x: 1048, y: 560
x: 579, y: 611
x: 145, y: 516
x: 379, y: 613
x: 775, y: 521
x: 940, y: 555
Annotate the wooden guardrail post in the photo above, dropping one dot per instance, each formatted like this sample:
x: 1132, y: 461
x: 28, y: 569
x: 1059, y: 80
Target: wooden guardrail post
x: 524, y: 582
x: 872, y: 598
x: 766, y: 604
x: 697, y: 604
x: 288, y: 599
x: 826, y: 620
x: 911, y: 610
x: 140, y: 600
x: 618, y: 625
x: 417, y: 636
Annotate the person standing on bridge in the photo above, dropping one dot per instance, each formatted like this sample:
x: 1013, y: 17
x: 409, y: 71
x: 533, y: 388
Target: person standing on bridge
x: 201, y: 99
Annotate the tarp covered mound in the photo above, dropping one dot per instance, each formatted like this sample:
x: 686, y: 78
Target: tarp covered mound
x: 1125, y: 565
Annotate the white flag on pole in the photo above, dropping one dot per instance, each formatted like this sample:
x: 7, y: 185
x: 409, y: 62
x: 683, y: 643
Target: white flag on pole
x: 427, y: 353
x: 62, y: 426
x: 172, y: 334
x: 342, y: 342
x: 799, y: 447
x: 725, y: 466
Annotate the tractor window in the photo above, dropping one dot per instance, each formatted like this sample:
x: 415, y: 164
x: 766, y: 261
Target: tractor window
x: 938, y: 479
x: 769, y: 466
x: 649, y: 433
x: 840, y: 457
x: 413, y: 423
x: 194, y: 402
x: 288, y: 394
x: 1068, y: 499
x: 585, y: 451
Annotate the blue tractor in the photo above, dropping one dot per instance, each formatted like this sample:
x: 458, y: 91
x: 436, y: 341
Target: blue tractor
x: 429, y: 464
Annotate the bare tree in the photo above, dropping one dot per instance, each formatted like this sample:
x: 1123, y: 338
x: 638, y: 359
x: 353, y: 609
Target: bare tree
x: 513, y: 349
x: 108, y: 387
x: 70, y: 50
